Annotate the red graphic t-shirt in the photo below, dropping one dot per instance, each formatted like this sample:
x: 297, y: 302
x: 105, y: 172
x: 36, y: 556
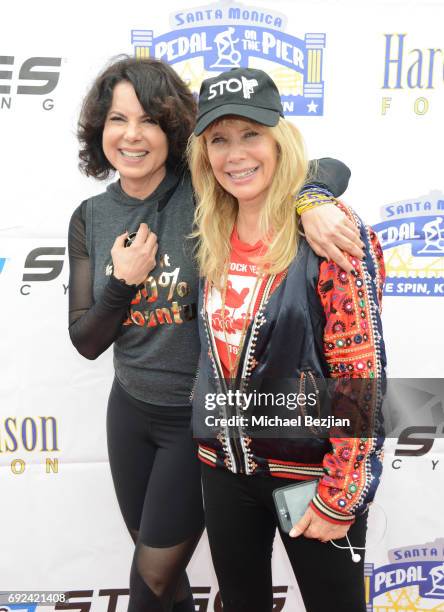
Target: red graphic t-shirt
x: 242, y: 296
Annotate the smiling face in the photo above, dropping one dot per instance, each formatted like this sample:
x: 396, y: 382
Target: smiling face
x: 243, y: 157
x: 133, y: 143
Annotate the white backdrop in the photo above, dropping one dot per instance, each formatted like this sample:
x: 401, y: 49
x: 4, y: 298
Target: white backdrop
x: 61, y: 527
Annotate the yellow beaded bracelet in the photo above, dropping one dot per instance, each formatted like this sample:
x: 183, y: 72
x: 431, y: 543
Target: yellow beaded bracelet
x: 309, y: 200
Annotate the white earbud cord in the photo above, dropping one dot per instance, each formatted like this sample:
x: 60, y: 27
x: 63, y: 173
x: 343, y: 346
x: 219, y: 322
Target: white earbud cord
x: 355, y: 556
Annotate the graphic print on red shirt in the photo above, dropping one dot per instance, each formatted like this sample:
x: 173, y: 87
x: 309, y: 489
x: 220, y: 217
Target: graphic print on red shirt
x: 242, y: 293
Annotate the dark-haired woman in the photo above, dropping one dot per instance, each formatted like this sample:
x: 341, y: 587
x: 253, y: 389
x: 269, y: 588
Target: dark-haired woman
x: 133, y: 284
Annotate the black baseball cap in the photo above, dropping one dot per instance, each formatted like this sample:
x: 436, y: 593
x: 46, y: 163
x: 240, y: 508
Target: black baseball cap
x: 246, y: 92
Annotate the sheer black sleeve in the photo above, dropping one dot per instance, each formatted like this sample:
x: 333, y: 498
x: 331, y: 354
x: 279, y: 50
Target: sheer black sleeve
x: 93, y: 326
x: 329, y: 173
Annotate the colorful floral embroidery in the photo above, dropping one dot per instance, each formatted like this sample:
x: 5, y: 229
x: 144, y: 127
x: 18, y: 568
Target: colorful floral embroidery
x: 351, y: 346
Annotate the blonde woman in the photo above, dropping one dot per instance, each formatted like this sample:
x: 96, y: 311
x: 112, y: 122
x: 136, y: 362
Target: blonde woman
x: 273, y: 311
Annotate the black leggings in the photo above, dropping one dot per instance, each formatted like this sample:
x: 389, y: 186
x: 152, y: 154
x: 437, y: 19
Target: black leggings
x: 157, y: 480
x: 241, y: 524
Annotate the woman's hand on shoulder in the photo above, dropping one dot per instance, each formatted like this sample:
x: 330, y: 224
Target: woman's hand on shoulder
x: 329, y: 232
x: 133, y: 264
x: 311, y: 525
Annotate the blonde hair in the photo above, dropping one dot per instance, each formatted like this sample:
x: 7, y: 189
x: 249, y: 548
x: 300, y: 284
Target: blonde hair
x: 217, y: 209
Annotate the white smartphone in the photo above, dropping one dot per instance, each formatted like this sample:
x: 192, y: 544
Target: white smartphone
x: 292, y: 501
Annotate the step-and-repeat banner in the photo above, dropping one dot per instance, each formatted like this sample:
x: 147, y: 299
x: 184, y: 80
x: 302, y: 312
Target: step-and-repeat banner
x: 364, y: 82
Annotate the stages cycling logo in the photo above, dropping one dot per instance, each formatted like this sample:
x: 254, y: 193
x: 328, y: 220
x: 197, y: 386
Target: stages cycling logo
x: 412, y: 238
x: 205, y: 600
x: 412, y: 580
x: 35, y: 77
x: 38, y: 268
x: 224, y: 35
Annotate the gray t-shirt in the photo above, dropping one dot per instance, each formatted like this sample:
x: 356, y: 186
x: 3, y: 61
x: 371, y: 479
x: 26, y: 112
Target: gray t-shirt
x: 157, y: 347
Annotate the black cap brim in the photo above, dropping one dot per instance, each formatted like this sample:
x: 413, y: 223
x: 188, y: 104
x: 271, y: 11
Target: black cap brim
x: 264, y: 116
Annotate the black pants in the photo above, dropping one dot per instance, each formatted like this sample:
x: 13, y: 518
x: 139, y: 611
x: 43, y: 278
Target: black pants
x: 155, y: 469
x: 156, y: 475
x: 241, y: 523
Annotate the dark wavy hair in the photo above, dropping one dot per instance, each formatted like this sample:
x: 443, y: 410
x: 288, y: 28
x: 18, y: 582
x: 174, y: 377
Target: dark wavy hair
x: 161, y: 93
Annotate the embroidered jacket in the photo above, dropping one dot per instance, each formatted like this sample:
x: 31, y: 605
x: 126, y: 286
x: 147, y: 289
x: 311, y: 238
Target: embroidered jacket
x: 314, y: 323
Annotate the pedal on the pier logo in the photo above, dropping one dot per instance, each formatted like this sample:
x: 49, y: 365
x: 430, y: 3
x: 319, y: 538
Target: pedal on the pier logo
x: 412, y: 238
x: 205, y: 41
x: 412, y: 580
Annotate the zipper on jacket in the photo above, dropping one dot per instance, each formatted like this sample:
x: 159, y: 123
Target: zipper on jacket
x: 248, y: 355
x: 302, y: 388
x: 234, y: 441
x: 240, y: 457
x: 193, y: 388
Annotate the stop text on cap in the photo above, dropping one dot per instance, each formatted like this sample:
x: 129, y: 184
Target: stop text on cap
x: 233, y: 86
